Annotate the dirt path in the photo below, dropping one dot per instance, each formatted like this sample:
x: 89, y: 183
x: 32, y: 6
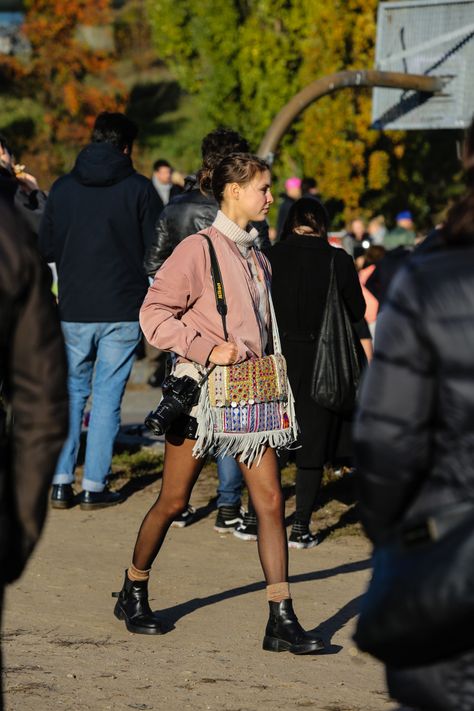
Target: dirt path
x: 65, y: 650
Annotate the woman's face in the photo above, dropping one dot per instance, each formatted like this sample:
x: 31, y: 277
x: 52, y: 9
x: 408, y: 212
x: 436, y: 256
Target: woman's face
x: 254, y: 199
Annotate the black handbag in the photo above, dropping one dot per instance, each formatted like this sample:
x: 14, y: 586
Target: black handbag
x: 419, y: 606
x: 339, y: 357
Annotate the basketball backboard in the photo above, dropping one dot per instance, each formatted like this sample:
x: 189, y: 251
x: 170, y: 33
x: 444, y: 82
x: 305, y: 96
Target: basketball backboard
x: 432, y: 37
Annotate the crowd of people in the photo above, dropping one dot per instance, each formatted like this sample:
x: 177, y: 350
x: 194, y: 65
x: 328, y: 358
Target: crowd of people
x: 262, y: 337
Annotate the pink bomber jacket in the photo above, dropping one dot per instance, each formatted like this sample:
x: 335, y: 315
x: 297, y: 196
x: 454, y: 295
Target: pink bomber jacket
x: 179, y: 312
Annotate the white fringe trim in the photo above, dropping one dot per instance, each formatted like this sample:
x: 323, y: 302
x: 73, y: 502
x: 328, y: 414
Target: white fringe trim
x: 248, y: 447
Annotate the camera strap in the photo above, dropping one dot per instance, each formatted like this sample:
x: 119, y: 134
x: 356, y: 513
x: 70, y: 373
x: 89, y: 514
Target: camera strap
x: 218, y: 285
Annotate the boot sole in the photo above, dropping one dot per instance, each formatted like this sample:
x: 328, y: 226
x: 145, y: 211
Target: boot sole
x: 273, y: 644
x: 91, y: 507
x: 136, y: 629
x: 61, y: 504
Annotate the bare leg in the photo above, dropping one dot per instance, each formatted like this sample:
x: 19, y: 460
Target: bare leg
x: 180, y: 473
x: 263, y: 482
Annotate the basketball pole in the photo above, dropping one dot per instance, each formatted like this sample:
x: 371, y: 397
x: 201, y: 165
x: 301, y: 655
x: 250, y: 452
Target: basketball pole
x: 334, y: 82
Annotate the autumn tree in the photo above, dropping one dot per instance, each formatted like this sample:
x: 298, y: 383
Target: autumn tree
x: 72, y: 79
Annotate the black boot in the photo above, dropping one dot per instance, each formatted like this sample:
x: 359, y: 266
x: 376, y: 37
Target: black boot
x: 100, y: 499
x: 62, y: 496
x: 285, y: 634
x: 132, y: 607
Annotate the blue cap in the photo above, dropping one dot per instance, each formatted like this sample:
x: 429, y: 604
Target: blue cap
x: 404, y: 215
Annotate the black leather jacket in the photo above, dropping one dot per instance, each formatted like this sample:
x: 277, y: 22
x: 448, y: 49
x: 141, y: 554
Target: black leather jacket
x: 185, y: 215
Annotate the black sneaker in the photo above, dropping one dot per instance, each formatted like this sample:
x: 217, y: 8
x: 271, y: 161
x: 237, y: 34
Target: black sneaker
x: 100, y: 499
x: 62, y: 496
x: 227, y: 519
x: 185, y: 517
x: 301, y: 537
x: 247, y: 530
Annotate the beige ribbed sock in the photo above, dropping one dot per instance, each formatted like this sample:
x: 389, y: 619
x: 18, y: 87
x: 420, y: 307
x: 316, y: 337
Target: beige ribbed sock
x: 278, y: 592
x: 138, y: 575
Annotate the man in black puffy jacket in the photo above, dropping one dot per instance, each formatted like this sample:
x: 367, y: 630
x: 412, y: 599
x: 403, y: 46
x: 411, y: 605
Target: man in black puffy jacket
x: 414, y: 433
x: 196, y: 208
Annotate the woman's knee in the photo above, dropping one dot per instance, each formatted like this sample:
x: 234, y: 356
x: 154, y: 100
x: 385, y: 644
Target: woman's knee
x: 170, y: 506
x: 269, y: 503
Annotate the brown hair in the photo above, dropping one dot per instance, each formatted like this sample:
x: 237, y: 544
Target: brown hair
x: 374, y: 254
x: 459, y: 227
x: 240, y: 168
x: 307, y: 212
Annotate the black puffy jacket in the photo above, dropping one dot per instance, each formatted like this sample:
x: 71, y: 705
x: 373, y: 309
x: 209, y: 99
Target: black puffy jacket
x: 185, y: 215
x: 414, y: 432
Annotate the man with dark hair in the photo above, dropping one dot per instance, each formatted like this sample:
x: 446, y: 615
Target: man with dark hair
x: 33, y: 375
x: 97, y: 223
x: 116, y: 130
x: 162, y: 183
x: 194, y: 210
x: 196, y: 207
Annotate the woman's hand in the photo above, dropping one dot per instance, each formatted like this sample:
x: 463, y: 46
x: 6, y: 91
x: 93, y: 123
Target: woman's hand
x: 225, y: 354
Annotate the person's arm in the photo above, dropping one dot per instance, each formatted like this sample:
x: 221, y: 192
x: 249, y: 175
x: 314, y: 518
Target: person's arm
x: 161, y: 245
x: 36, y: 387
x: 349, y: 286
x: 30, y: 204
x: 363, y: 334
x: 392, y: 427
x: 149, y: 211
x: 175, y: 288
x: 46, y: 231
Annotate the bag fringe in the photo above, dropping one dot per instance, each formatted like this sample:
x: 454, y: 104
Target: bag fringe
x: 248, y: 447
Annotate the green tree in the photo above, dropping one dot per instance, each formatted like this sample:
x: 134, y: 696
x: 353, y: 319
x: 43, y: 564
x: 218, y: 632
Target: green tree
x: 244, y: 59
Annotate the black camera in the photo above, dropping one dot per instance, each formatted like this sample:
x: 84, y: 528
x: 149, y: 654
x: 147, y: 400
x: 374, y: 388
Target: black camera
x: 179, y: 396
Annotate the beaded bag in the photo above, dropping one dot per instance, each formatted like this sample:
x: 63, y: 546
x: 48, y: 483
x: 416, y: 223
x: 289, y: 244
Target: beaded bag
x: 248, y: 406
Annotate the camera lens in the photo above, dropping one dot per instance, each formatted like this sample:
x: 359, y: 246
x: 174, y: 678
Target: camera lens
x: 154, y: 424
x: 165, y: 414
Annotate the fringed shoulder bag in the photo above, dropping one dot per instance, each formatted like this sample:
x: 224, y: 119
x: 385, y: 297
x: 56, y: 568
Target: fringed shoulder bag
x: 246, y: 407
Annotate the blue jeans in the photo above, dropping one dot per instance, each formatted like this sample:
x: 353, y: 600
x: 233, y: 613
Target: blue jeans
x: 100, y: 358
x: 229, y: 489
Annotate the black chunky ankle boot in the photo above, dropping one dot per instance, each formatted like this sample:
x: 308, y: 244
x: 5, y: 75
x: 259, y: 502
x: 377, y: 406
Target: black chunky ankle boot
x: 285, y: 634
x: 132, y: 607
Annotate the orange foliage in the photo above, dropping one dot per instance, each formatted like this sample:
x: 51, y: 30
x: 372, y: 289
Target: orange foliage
x: 62, y: 69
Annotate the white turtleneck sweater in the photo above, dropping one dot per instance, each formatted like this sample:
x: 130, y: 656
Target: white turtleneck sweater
x: 244, y: 241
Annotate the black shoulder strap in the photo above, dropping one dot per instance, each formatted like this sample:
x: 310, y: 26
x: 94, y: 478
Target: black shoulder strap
x: 218, y: 285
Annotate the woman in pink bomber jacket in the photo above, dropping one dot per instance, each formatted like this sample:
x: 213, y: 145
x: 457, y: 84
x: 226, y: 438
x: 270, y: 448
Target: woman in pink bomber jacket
x: 179, y: 314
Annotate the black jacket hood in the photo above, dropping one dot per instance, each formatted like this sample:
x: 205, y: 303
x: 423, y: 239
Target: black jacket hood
x: 102, y: 164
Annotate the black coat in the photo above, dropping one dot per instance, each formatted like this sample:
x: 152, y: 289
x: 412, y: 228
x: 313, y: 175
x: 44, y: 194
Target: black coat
x: 97, y: 224
x: 185, y: 215
x: 28, y: 206
x: 286, y: 203
x: 414, y: 432
x: 33, y: 370
x: 300, y: 281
